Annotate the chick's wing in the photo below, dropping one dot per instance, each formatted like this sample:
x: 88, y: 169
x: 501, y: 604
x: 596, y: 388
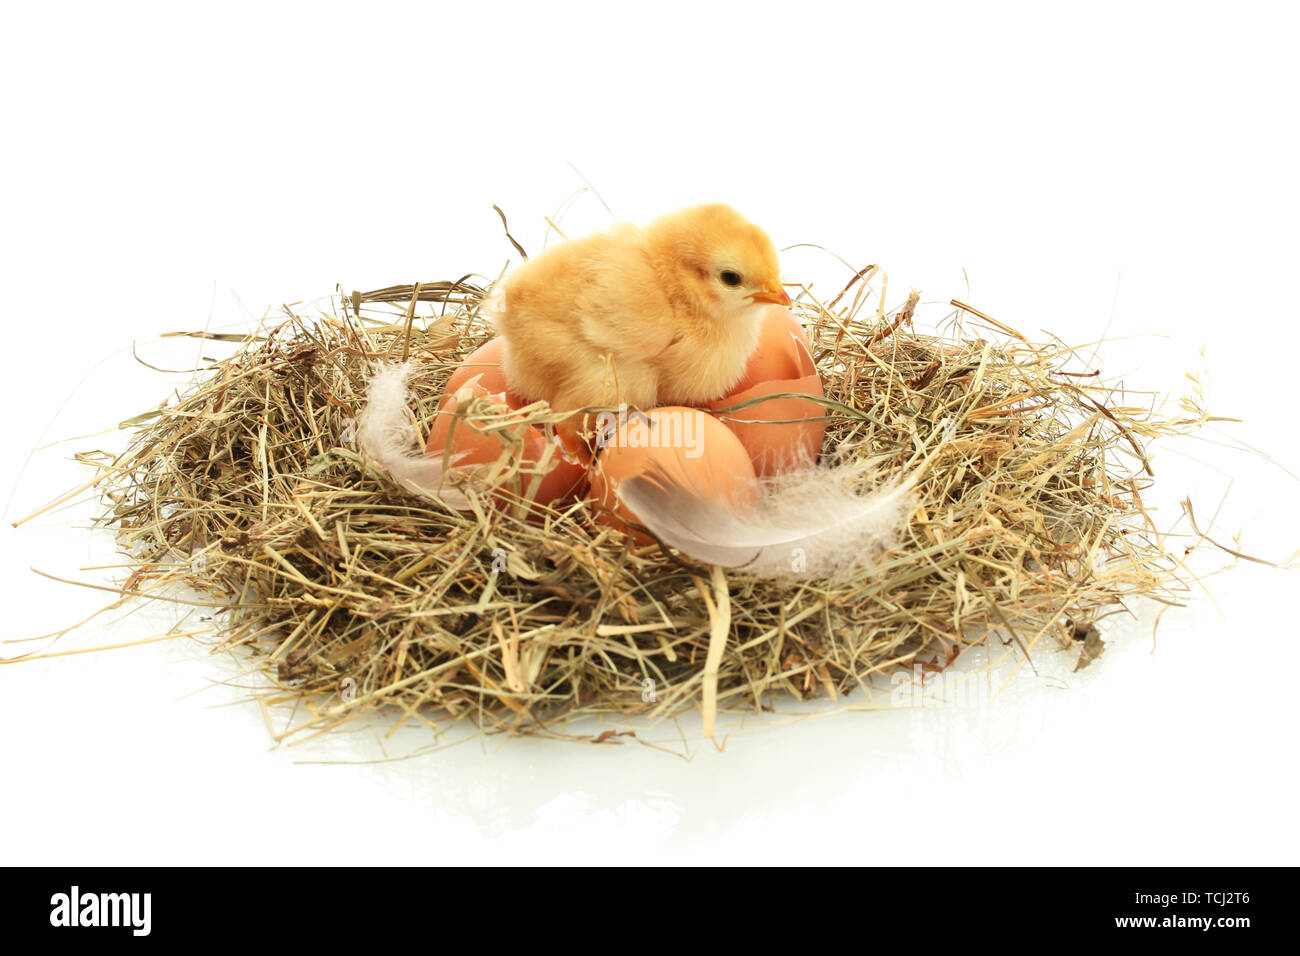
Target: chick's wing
x: 619, y: 307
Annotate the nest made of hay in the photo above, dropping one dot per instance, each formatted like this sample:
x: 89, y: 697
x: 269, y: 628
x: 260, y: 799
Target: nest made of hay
x: 353, y: 597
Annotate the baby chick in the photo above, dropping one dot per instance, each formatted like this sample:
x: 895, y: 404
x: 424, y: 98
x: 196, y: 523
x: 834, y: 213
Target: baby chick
x: 666, y: 314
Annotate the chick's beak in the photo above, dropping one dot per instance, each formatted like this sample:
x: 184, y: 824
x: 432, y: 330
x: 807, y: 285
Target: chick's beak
x: 774, y: 294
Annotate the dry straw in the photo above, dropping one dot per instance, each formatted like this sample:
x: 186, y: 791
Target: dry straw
x: 353, y: 597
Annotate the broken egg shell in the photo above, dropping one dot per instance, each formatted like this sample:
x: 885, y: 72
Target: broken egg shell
x: 487, y: 364
x: 563, y: 480
x: 781, y: 363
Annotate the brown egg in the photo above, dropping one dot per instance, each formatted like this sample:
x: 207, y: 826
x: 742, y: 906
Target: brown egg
x: 487, y: 363
x: 782, y: 362
x: 690, y: 446
x: 564, y: 479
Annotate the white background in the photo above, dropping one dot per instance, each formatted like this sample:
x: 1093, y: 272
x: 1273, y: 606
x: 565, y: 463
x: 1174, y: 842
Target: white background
x: 1127, y: 169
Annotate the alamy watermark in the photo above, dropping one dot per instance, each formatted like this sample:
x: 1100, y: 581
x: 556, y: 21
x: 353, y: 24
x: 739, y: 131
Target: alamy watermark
x: 669, y: 428
x: 74, y: 908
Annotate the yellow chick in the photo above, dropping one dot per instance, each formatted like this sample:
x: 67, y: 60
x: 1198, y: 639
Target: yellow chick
x: 666, y: 314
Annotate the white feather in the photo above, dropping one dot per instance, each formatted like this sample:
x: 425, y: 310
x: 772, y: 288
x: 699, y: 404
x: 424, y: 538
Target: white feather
x: 385, y: 432
x: 817, y: 521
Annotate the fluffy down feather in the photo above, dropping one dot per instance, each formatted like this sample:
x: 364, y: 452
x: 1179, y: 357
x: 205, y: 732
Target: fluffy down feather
x: 814, y: 522
x: 385, y: 433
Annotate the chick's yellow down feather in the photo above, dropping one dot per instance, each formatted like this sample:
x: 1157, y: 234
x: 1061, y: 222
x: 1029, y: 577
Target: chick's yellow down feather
x: 665, y: 314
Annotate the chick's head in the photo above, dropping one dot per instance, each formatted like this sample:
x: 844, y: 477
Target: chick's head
x: 719, y: 262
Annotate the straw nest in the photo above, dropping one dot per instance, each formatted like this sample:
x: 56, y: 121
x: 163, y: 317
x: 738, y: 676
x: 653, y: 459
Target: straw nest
x: 353, y: 598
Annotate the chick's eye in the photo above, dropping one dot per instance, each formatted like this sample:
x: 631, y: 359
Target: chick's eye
x: 730, y: 278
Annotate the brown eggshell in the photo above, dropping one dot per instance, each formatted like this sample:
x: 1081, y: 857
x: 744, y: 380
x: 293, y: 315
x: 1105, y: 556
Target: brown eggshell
x: 487, y: 362
x: 692, y: 448
x: 782, y: 352
x: 781, y: 363
x: 564, y: 479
